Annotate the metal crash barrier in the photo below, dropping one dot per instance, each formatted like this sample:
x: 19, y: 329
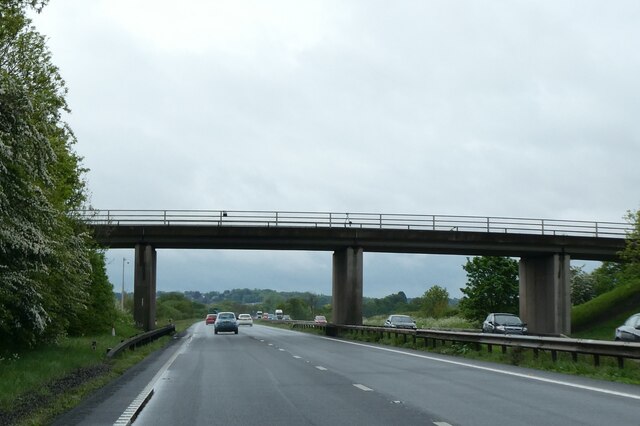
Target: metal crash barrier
x: 141, y: 339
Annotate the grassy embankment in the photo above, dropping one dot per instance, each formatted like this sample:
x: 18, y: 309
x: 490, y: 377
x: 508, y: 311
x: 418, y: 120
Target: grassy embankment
x: 37, y: 385
x: 598, y: 318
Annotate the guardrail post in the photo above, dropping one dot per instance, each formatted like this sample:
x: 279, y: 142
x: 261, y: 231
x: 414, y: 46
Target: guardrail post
x: 554, y: 355
x: 620, y: 362
x: 596, y: 360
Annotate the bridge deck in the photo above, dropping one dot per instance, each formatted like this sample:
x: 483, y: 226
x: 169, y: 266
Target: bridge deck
x: 372, y: 240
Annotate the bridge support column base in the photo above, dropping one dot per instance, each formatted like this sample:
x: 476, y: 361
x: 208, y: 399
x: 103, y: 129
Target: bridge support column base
x: 545, y: 297
x: 144, y: 297
x: 347, y: 286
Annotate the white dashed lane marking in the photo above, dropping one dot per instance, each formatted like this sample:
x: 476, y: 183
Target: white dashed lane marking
x: 319, y: 367
x: 441, y: 424
x: 362, y: 387
x: 493, y: 370
x: 297, y: 357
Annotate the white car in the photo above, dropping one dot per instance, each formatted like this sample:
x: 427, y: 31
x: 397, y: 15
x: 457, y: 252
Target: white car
x: 245, y: 319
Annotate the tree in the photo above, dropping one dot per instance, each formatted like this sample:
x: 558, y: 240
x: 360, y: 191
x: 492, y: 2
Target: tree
x: 100, y: 313
x: 297, y: 308
x: 582, y: 288
x: 631, y: 253
x: 392, y: 303
x: 492, y: 287
x: 45, y: 253
x: 435, y: 301
x: 606, y: 277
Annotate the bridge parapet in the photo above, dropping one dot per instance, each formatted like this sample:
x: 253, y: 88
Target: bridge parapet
x: 484, y: 224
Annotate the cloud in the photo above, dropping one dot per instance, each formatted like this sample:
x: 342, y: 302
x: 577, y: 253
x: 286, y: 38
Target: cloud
x: 525, y: 109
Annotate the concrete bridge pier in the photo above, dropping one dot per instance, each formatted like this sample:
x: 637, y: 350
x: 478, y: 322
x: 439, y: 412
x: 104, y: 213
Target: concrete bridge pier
x: 545, y: 294
x: 347, y: 286
x: 144, y: 295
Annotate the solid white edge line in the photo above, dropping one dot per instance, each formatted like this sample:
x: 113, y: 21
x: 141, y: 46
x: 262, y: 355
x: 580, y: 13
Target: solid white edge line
x: 141, y: 400
x: 493, y: 370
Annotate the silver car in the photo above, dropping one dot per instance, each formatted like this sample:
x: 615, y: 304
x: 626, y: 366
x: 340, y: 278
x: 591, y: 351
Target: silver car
x: 504, y: 324
x: 630, y: 330
x: 400, y: 321
x: 245, y: 319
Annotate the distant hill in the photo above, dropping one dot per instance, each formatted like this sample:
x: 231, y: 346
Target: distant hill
x: 254, y: 296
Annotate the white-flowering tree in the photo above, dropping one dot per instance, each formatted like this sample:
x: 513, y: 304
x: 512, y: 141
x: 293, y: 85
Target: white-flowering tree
x: 45, y: 254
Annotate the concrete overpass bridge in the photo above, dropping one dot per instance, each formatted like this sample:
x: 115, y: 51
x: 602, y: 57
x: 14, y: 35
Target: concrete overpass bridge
x: 544, y: 246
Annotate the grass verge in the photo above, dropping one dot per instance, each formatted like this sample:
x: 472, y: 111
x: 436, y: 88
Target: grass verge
x: 38, y: 385
x: 584, y: 366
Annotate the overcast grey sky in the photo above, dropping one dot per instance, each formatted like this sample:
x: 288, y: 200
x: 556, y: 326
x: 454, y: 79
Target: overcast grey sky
x: 492, y: 108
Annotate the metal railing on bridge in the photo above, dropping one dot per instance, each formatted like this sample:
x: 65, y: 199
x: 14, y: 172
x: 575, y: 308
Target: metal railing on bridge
x: 453, y: 223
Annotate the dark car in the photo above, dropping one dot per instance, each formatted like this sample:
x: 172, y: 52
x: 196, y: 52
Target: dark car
x: 504, y: 324
x: 400, y: 321
x: 630, y: 330
x: 210, y: 319
x: 226, y: 321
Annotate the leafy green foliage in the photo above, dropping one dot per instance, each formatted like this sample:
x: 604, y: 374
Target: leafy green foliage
x: 100, y: 313
x: 297, y: 308
x: 492, y: 287
x: 435, y: 301
x: 46, y: 264
x: 582, y: 286
x: 176, y: 306
x: 606, y: 277
x: 631, y: 254
x: 392, y: 303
